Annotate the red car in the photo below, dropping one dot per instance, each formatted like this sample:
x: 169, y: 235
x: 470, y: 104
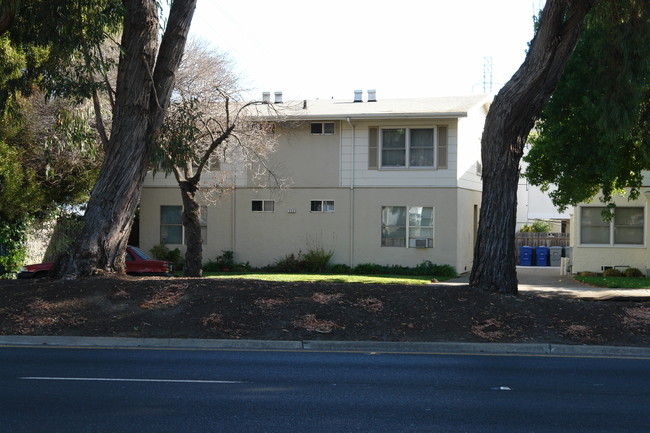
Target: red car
x: 137, y: 263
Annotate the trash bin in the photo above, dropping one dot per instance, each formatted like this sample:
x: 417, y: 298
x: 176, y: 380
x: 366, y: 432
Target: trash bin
x: 526, y: 256
x: 567, y: 252
x: 541, y: 256
x: 556, y: 256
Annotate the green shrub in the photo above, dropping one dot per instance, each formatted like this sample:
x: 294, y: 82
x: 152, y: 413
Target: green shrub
x: 316, y: 260
x: 611, y: 272
x: 538, y: 226
x: 339, y: 269
x: 161, y: 252
x: 367, y: 269
x: 289, y: 264
x: 224, y: 262
x: 428, y: 268
x: 13, y: 251
x: 633, y: 272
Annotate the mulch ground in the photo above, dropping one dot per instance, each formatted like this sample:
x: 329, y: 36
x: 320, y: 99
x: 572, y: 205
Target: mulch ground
x: 249, y: 309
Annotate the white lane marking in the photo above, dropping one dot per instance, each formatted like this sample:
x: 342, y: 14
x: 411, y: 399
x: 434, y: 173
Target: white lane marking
x: 107, y: 379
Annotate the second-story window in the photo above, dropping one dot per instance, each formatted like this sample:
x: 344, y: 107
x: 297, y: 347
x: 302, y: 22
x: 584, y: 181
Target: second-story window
x: 407, y: 147
x: 322, y: 128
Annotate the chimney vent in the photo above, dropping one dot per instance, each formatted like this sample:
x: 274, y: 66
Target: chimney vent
x: 278, y: 97
x: 266, y: 97
x: 372, y: 95
x: 358, y: 96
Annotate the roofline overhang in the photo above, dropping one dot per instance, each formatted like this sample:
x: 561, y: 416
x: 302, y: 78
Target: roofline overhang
x: 370, y: 116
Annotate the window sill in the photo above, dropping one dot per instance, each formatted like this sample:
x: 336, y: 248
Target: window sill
x: 634, y: 246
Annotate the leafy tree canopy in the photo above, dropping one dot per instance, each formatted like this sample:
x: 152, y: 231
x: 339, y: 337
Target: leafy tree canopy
x: 53, y: 45
x: 593, y: 134
x: 49, y: 158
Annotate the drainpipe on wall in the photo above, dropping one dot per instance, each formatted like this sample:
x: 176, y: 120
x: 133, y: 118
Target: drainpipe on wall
x: 351, y: 190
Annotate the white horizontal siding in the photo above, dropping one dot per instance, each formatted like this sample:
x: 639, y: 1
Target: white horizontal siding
x: 358, y: 150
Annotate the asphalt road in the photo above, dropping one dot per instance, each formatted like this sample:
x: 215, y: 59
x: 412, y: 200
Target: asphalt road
x: 172, y: 390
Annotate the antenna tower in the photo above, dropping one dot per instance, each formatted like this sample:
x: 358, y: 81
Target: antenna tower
x: 487, y: 74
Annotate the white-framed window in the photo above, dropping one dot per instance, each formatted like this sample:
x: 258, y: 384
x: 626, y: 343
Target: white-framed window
x: 263, y: 205
x: 171, y: 225
x: 626, y: 227
x: 407, y: 226
x: 322, y: 206
x: 407, y: 147
x: 322, y: 128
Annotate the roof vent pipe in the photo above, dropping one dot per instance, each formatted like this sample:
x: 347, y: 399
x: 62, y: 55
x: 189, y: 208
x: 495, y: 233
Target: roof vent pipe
x: 278, y: 97
x: 266, y: 97
x: 358, y: 96
x: 372, y: 95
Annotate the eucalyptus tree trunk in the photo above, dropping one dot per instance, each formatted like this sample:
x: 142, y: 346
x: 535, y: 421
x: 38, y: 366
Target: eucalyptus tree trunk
x: 142, y: 98
x: 508, y: 123
x: 192, y: 227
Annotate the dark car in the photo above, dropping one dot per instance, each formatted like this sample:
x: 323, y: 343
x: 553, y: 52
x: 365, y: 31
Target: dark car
x: 137, y: 263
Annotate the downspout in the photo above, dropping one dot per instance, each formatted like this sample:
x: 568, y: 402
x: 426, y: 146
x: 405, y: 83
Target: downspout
x: 351, y: 189
x: 233, y: 215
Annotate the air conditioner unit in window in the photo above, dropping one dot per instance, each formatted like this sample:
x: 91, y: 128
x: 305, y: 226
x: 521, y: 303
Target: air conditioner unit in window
x: 420, y: 243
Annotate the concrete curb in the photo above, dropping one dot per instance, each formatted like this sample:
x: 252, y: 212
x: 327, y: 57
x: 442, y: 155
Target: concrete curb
x: 329, y: 346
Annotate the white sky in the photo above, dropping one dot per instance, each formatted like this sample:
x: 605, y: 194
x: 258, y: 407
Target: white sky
x: 407, y: 48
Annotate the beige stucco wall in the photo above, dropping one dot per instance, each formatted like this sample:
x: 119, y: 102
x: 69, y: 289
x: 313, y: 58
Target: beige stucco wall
x: 593, y: 258
x: 469, y: 208
x: 306, y: 160
x: 262, y: 238
x: 367, y: 234
x: 335, y: 167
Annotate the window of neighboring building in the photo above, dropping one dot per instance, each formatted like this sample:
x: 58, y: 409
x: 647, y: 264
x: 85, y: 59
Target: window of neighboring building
x: 626, y: 227
x: 171, y: 225
x: 322, y: 128
x: 407, y: 226
x: 322, y: 205
x: 263, y: 206
x: 407, y: 147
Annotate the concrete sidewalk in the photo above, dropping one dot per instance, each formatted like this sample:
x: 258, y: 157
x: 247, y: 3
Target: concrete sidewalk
x: 547, y: 281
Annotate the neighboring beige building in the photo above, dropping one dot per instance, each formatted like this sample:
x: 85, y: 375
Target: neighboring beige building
x: 389, y: 182
x: 620, y: 243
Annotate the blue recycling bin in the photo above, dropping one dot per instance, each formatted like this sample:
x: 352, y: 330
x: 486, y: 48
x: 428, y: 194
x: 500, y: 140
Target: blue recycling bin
x: 526, y: 256
x: 541, y: 254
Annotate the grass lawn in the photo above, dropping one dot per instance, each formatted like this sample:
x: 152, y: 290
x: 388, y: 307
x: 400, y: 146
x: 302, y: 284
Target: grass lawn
x: 616, y: 282
x: 331, y: 278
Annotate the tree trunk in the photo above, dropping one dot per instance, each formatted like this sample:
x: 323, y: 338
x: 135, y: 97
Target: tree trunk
x: 192, y: 227
x: 508, y: 123
x: 142, y: 97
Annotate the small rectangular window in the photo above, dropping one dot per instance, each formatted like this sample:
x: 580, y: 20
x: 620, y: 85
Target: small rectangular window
x: 322, y: 205
x: 322, y: 128
x: 263, y: 205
